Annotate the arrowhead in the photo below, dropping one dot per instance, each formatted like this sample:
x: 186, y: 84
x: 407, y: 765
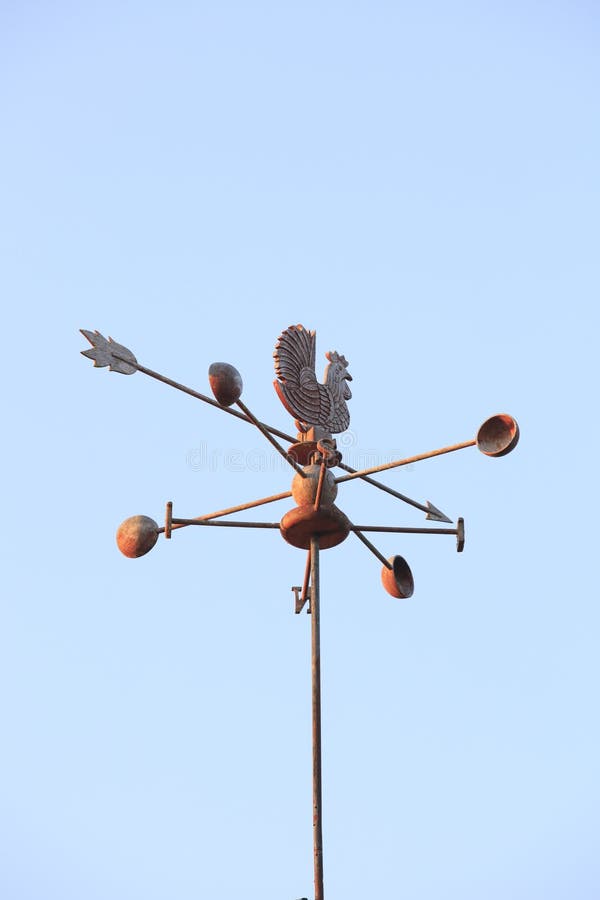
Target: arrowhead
x: 109, y: 353
x: 435, y: 514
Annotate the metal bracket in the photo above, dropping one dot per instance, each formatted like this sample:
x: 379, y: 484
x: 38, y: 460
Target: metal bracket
x: 460, y: 535
x: 299, y: 600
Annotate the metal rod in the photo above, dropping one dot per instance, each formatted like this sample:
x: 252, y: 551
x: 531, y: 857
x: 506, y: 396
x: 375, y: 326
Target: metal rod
x: 306, y: 580
x: 405, y: 462
x: 389, y: 490
x: 372, y: 548
x: 392, y: 529
x: 225, y: 524
x: 264, y: 430
x: 316, y: 715
x: 233, y: 509
x: 169, y: 519
x: 187, y: 390
x: 320, y: 484
x: 389, y: 529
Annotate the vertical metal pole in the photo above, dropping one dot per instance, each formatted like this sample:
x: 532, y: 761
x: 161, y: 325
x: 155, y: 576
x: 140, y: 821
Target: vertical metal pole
x: 316, y: 714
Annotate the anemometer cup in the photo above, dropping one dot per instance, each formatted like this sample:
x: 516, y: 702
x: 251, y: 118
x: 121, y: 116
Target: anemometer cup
x: 136, y: 536
x: 398, y: 581
x: 225, y: 383
x: 498, y: 435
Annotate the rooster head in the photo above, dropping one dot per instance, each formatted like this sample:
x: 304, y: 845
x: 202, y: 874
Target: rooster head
x: 337, y: 374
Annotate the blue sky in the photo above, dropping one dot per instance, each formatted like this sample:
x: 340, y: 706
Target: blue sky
x: 419, y: 183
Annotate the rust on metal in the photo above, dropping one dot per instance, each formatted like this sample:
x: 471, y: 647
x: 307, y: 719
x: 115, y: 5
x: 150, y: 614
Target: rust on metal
x: 297, y: 387
x: 327, y: 452
x: 328, y: 523
x: 303, y: 457
x: 305, y: 598
x: 108, y: 353
x: 315, y: 631
x: 460, y: 535
x: 315, y: 523
x: 320, y: 484
x: 302, y: 594
x: 232, y: 509
x: 401, y: 529
x: 370, y: 546
x: 136, y: 536
x: 300, y: 599
x: 498, y: 435
x: 305, y: 489
x: 265, y: 431
x: 227, y: 524
x: 225, y: 383
x: 302, y: 452
x: 310, y: 443
x: 397, y: 578
x: 432, y: 512
x: 405, y: 462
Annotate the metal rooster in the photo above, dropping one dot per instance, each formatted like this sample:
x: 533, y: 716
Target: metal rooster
x: 297, y: 386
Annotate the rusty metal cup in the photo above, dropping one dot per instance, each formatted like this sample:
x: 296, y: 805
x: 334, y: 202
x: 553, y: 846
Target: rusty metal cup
x: 398, y: 581
x: 136, y: 536
x: 225, y: 383
x: 498, y: 435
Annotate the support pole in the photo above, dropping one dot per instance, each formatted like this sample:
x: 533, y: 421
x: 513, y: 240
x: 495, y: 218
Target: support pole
x: 316, y: 715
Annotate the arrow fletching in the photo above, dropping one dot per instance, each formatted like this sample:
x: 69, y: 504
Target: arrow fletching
x: 109, y: 353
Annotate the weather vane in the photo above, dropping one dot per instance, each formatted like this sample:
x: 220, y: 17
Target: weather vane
x: 320, y: 411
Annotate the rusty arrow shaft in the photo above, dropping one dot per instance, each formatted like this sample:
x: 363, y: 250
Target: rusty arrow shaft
x: 432, y: 513
x: 192, y: 393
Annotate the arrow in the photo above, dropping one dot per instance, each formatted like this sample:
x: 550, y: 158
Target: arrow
x: 432, y: 511
x: 109, y: 353
x: 105, y: 353
x: 436, y: 515
x: 120, y: 359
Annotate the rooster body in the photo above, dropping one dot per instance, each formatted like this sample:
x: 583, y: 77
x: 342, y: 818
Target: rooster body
x: 297, y: 386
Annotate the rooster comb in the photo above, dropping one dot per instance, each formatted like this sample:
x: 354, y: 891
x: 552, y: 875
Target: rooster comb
x: 334, y: 357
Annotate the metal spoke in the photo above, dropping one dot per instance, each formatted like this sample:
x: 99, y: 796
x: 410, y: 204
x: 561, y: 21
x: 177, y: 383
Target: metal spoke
x: 371, y: 547
x: 221, y: 524
x: 265, y: 431
x: 405, y: 462
x: 225, y: 512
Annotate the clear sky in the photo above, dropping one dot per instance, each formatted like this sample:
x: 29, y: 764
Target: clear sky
x: 419, y: 183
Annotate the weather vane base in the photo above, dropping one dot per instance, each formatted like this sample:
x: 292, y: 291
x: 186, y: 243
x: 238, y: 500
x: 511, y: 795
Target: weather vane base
x: 328, y: 524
